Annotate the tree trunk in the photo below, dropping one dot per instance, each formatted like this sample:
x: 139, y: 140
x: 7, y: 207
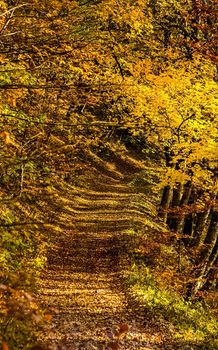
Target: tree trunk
x: 184, y: 201
x: 177, y: 195
x: 209, y: 254
x: 176, y: 200
x: 189, y: 229
x: 201, y: 226
x: 212, y: 276
x: 165, y: 202
x: 206, y: 268
x: 213, y: 228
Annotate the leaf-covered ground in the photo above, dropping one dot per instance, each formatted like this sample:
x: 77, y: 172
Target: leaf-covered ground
x: 83, y: 285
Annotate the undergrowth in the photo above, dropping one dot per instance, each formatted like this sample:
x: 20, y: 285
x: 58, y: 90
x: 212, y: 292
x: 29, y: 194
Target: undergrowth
x: 155, y: 279
x: 22, y: 256
x: 193, y: 323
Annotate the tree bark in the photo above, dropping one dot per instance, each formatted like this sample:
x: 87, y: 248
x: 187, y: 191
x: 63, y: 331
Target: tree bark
x: 201, y: 226
x: 165, y: 202
x: 213, y: 229
x: 177, y: 195
x: 184, y: 201
x: 212, y: 275
x: 209, y: 254
x: 176, y: 200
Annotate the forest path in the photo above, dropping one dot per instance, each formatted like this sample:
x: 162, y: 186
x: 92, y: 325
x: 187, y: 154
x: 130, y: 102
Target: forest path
x: 83, y: 282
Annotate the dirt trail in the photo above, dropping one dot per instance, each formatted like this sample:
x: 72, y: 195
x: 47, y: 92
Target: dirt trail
x: 83, y: 282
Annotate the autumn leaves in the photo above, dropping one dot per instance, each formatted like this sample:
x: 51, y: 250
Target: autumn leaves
x: 116, y: 336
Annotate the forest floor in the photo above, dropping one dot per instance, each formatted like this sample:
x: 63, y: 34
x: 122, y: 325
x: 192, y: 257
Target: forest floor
x: 82, y: 284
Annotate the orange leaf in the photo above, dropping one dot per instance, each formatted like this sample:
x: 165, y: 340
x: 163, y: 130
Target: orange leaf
x: 123, y: 328
x: 48, y: 317
x: 7, y: 139
x: 5, y: 346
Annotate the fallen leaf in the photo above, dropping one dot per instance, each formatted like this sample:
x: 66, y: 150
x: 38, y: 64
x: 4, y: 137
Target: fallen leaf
x: 113, y: 345
x: 48, y: 317
x: 37, y: 347
x: 110, y: 335
x: 8, y: 139
x: 123, y: 328
x: 5, y: 346
x: 3, y: 286
x: 28, y: 296
x: 54, y: 310
x: 36, y: 318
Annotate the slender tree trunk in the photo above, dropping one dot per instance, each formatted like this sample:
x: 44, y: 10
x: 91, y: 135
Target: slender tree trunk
x: 21, y: 179
x: 203, y: 222
x: 167, y: 195
x: 203, y: 275
x: 213, y: 257
x: 176, y: 200
x: 201, y: 226
x: 177, y: 195
x: 213, y: 275
x: 184, y: 201
x: 216, y: 74
x: 189, y: 228
x: 209, y: 254
x: 213, y: 228
x: 165, y: 202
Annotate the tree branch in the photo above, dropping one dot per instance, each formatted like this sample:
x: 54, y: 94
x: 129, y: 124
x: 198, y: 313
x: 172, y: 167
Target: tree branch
x: 181, y: 124
x: 119, y: 65
x: 102, y: 123
x: 24, y: 224
x: 13, y: 9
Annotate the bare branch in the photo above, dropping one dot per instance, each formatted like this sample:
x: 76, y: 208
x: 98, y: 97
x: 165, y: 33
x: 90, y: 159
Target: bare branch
x: 10, y: 34
x: 13, y: 9
x: 101, y: 123
x: 119, y: 65
x: 181, y: 124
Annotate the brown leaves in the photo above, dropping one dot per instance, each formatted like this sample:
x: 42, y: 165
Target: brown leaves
x: 115, y: 336
x: 113, y: 345
x: 123, y: 328
x: 37, y: 347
